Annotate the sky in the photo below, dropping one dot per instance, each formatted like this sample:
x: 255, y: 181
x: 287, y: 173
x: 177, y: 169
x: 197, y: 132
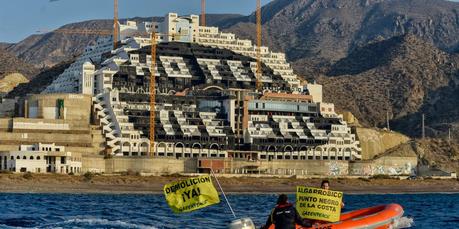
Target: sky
x: 21, y: 18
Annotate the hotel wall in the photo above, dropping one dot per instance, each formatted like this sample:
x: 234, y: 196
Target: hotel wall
x: 44, y: 106
x: 385, y: 166
x: 157, y: 166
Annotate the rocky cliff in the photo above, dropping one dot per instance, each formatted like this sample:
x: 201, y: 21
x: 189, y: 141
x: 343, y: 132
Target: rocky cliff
x: 375, y: 142
x: 402, y: 78
x: 10, y: 81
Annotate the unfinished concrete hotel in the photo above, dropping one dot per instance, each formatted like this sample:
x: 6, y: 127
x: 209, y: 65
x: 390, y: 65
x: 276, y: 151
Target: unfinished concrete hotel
x: 207, y: 104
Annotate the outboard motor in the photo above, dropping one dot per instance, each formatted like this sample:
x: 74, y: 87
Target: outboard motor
x: 245, y: 223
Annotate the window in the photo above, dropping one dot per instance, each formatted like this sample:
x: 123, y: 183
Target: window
x: 38, y: 158
x: 31, y: 157
x: 24, y: 157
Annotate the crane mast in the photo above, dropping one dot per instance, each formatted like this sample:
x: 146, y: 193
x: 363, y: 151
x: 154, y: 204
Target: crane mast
x: 259, y: 64
x: 203, y: 12
x: 115, y: 25
x: 152, y: 93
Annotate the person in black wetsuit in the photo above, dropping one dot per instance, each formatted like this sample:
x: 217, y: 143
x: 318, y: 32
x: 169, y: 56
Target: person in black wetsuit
x: 284, y: 215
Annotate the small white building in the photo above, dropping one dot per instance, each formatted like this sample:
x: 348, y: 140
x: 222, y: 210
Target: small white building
x: 41, y: 158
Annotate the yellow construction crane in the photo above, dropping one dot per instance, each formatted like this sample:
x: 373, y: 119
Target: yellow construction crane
x: 153, y: 89
x: 153, y: 37
x: 203, y: 12
x: 115, y: 24
x: 259, y: 65
x: 152, y: 93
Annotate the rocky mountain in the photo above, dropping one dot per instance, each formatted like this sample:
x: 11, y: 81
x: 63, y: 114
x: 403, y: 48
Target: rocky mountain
x: 402, y: 77
x: 40, y: 81
x: 317, y: 33
x: 438, y: 153
x: 9, y: 63
x: 46, y: 50
x: 4, y: 45
x: 314, y: 33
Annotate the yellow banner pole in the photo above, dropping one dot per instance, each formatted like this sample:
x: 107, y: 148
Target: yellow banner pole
x: 221, y: 189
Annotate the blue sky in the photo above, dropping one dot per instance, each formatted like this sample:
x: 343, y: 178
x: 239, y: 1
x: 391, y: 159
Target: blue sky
x: 21, y: 18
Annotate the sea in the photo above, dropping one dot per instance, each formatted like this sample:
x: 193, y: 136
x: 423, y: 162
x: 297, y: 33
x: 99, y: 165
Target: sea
x: 151, y: 211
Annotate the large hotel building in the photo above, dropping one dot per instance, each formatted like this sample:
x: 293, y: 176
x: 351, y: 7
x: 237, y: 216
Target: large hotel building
x: 207, y: 102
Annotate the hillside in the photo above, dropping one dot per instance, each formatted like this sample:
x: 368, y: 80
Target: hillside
x: 10, y: 81
x: 40, y: 82
x: 46, y: 50
x: 11, y: 64
x: 4, y: 45
x: 403, y: 77
x: 316, y: 33
x: 438, y: 153
x: 434, y: 153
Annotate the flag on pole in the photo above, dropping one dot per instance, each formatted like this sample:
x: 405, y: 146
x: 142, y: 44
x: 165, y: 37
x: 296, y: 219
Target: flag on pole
x: 191, y: 194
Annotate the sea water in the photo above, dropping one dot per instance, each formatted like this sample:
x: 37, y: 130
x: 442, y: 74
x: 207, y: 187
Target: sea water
x: 151, y: 211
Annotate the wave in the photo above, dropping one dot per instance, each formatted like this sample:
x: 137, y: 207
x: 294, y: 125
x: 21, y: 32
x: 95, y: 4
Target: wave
x: 96, y: 222
x: 4, y: 226
x: 403, y: 222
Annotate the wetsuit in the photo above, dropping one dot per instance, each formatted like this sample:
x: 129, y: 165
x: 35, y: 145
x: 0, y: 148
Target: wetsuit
x: 285, y: 216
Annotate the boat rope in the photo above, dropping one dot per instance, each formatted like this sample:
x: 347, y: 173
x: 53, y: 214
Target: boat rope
x: 221, y: 189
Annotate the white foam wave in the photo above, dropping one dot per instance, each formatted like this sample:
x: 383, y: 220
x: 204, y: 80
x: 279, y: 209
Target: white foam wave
x: 403, y: 222
x: 104, y: 223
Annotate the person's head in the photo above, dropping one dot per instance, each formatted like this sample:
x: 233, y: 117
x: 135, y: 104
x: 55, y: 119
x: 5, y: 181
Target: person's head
x: 325, y: 184
x: 283, y: 199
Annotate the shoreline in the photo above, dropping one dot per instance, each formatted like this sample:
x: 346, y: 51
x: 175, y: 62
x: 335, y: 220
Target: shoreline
x: 99, y: 192
x: 119, y: 184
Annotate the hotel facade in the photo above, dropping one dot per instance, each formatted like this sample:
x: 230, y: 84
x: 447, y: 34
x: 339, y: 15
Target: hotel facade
x: 207, y: 104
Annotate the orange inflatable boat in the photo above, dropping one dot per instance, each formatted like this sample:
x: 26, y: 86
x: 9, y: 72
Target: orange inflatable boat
x: 378, y: 217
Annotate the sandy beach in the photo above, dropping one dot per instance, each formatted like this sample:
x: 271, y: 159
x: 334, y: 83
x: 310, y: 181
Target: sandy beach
x: 37, y: 183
